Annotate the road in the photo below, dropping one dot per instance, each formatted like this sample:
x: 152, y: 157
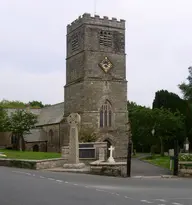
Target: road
x: 28, y: 187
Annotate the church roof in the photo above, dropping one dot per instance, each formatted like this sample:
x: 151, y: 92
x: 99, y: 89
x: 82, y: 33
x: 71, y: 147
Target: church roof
x: 35, y: 135
x: 51, y: 115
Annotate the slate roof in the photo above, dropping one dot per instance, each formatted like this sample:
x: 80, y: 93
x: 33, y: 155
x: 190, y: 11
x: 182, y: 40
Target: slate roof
x: 46, y: 116
x: 36, y: 135
x: 51, y: 115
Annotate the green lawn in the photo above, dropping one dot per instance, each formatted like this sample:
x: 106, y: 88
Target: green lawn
x: 12, y: 154
x: 159, y: 161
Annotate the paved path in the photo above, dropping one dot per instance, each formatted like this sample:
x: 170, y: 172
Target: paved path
x: 140, y: 168
x: 27, y: 187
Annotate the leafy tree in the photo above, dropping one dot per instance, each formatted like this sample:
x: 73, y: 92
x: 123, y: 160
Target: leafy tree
x: 141, y: 125
x: 172, y: 102
x: 169, y: 100
x: 186, y: 88
x: 167, y: 125
x: 12, y: 104
x: 21, y: 105
x: 4, y: 121
x: 20, y: 123
x: 37, y: 104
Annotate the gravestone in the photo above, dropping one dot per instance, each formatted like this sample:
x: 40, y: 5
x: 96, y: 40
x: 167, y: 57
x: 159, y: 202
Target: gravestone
x: 111, y: 159
x: 73, y: 120
x: 171, y: 152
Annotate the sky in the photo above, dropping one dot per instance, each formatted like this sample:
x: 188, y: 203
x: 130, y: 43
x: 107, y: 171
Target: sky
x: 33, y: 47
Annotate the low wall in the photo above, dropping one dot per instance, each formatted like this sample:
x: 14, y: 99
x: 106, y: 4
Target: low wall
x: 185, y: 169
x: 118, y: 169
x: 33, y: 164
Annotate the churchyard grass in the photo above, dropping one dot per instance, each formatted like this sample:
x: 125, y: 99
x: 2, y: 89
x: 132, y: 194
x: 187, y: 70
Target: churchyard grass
x: 13, y: 154
x: 159, y: 161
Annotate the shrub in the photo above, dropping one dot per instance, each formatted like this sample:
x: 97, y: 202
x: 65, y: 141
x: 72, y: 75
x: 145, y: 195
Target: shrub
x: 87, y: 135
x: 185, y: 157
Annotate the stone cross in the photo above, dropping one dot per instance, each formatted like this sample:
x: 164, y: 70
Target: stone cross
x: 111, y: 159
x: 73, y: 120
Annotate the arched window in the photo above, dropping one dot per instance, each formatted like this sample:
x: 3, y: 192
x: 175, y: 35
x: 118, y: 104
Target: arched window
x: 13, y: 139
x: 106, y: 115
x: 36, y: 148
x: 51, y: 135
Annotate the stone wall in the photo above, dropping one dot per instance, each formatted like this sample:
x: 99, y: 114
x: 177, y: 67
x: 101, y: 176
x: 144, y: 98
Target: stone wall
x: 33, y: 164
x: 109, y: 169
x: 53, y: 142
x: 5, y: 139
x: 185, y: 169
x: 32, y: 146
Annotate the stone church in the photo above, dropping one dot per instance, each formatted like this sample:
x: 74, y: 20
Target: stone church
x: 96, y: 87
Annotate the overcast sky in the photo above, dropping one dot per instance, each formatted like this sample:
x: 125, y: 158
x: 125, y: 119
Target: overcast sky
x: 33, y: 50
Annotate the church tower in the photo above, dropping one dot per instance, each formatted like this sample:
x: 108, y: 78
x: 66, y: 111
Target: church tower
x: 96, y: 85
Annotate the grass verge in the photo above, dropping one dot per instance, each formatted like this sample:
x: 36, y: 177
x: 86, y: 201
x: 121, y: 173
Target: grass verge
x: 159, y: 161
x: 13, y: 154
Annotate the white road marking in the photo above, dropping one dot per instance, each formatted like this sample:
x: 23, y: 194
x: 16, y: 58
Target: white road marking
x: 42, y: 177
x: 19, y: 172
x: 87, y: 187
x: 51, y: 179
x: 28, y: 174
x: 128, y: 197
x: 66, y: 182
x: 117, y: 194
x: 75, y: 184
x: 161, y: 204
x: 145, y: 201
x: 59, y: 181
x: 34, y: 175
x: 162, y: 200
x: 174, y: 203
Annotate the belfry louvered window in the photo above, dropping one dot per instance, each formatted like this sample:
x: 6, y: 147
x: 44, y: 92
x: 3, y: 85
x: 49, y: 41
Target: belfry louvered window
x: 105, y: 38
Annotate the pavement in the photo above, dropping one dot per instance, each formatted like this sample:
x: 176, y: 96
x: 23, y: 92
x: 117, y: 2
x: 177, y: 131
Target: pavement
x: 29, y: 187
x: 138, y: 169
x: 141, y: 168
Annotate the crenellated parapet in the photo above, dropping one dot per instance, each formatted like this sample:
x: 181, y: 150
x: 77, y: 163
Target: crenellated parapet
x: 86, y: 18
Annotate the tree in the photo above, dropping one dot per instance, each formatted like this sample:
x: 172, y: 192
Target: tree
x: 21, y: 105
x: 20, y: 123
x: 37, y: 104
x: 12, y: 104
x: 141, y: 125
x: 169, y: 100
x: 168, y: 126
x: 172, y: 102
x: 4, y: 121
x: 186, y: 88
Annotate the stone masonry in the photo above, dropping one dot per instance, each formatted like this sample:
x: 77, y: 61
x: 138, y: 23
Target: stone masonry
x: 93, y: 42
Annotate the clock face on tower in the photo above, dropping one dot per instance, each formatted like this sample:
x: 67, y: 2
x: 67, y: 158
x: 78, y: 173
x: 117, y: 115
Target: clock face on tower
x: 106, y: 64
